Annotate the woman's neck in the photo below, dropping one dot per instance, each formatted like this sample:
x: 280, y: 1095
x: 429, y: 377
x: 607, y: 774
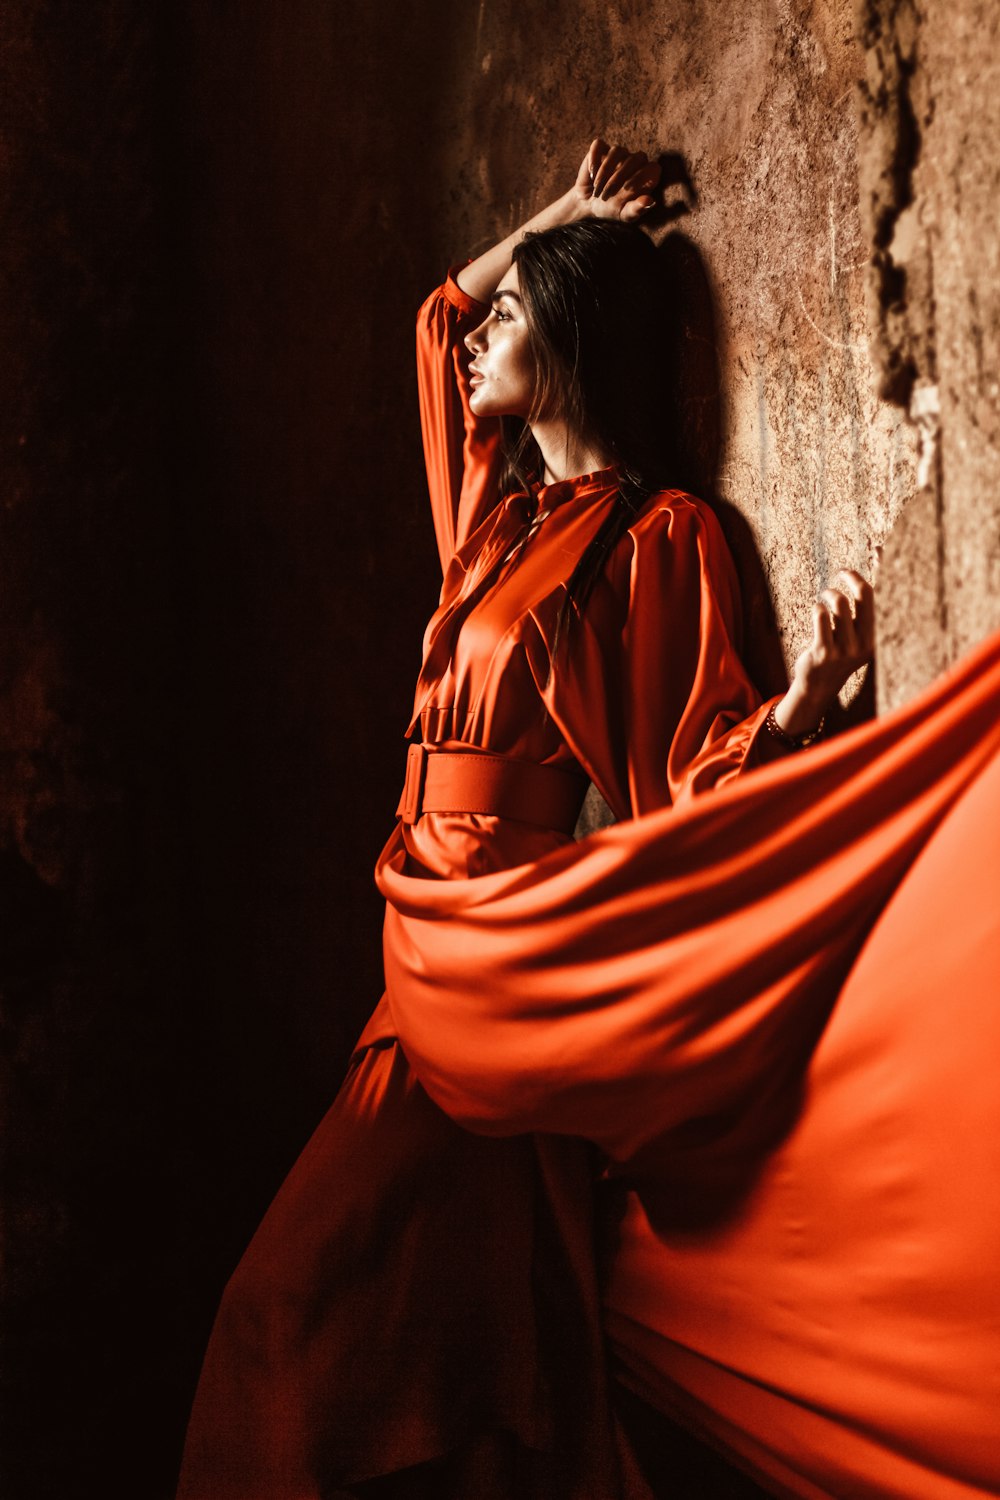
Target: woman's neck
x: 566, y: 453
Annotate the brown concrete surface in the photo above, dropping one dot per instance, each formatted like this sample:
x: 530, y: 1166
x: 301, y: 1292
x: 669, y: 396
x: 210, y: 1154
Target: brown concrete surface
x: 930, y: 131
x: 215, y: 557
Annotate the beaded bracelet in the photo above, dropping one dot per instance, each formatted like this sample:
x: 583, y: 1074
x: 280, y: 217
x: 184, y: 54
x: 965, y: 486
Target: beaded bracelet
x: 793, y: 741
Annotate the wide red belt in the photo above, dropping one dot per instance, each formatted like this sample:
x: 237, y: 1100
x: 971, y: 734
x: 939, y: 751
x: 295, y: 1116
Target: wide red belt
x: 456, y: 781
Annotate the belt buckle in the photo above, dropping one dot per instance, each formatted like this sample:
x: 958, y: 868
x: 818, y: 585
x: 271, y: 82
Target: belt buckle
x: 413, y: 786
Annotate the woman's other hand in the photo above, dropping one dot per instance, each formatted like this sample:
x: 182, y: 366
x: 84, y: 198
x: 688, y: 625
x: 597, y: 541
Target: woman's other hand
x: 843, y: 640
x: 615, y: 183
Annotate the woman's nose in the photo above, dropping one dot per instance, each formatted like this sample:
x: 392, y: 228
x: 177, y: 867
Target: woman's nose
x: 475, y: 340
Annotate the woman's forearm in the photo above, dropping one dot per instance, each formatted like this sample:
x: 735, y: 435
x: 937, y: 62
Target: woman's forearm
x: 481, y: 277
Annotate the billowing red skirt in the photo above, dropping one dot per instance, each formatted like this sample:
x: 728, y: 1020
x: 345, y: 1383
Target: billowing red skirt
x: 761, y: 1035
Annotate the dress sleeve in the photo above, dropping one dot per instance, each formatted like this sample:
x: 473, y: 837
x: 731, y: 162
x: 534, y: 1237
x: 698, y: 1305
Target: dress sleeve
x: 461, y: 451
x: 654, y: 699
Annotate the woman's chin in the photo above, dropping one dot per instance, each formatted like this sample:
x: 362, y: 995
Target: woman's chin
x: 483, y: 404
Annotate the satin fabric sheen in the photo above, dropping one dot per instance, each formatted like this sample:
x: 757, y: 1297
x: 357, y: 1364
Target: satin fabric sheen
x: 791, y: 1064
x: 710, y: 1042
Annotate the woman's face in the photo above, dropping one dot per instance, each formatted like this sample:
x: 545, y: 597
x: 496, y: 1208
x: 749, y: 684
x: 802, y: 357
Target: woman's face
x: 502, y: 373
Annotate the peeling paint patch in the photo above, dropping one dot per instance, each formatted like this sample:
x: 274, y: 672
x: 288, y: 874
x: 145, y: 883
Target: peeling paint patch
x: 925, y: 414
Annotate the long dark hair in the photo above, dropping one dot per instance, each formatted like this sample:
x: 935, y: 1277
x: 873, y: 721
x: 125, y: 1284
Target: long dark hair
x: 604, y: 338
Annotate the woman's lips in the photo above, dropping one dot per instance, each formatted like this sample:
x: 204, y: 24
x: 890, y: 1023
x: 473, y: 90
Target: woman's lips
x: 475, y: 376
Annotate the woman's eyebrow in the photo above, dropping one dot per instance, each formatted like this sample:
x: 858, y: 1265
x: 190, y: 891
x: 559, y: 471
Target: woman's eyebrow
x: 503, y: 292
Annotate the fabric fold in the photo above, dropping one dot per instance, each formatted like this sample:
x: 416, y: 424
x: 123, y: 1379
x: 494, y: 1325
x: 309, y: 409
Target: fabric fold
x: 663, y: 969
x: 776, y: 1011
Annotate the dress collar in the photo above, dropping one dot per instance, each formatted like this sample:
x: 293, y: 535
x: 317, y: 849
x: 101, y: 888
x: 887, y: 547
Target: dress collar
x: 548, y: 496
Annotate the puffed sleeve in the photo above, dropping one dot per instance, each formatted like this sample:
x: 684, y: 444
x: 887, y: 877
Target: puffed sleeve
x: 461, y: 451
x: 650, y: 691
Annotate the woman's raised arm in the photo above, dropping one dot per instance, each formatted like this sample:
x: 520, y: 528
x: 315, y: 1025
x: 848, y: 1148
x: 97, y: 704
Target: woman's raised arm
x: 612, y: 183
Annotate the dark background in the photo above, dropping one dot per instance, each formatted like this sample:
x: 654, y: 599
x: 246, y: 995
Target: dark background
x: 216, y: 563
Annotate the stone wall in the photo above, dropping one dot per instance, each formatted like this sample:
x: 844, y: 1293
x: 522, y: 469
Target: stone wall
x: 930, y: 175
x: 216, y: 558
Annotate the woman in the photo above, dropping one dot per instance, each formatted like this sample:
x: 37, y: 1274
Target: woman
x: 418, y: 1313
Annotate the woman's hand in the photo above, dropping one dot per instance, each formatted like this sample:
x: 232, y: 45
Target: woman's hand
x: 612, y: 183
x: 615, y: 183
x: 843, y: 641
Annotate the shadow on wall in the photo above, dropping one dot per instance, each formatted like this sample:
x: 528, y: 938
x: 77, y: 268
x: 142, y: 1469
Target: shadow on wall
x: 702, y: 401
x: 700, y: 397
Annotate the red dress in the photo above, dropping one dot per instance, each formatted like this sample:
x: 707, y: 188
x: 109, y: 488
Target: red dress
x: 416, y: 1289
x: 796, y: 1215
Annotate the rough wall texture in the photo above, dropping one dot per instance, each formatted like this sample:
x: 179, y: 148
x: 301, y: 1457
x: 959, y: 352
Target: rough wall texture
x: 930, y: 127
x: 216, y: 559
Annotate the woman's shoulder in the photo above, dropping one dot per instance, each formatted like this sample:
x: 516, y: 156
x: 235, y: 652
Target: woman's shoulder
x: 674, y: 535
x: 665, y: 506
x: 676, y: 518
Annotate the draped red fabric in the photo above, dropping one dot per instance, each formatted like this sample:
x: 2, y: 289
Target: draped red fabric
x: 714, y: 935
x: 778, y: 1012
x: 840, y: 1326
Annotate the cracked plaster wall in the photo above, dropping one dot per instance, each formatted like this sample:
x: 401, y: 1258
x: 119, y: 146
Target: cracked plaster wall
x: 930, y: 133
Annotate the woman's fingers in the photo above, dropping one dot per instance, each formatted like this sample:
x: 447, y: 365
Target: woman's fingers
x: 863, y: 596
x: 838, y: 611
x: 822, y: 641
x: 619, y: 182
x: 613, y: 159
x: 596, y: 152
x: 841, y: 616
x: 620, y: 174
x: 850, y: 615
x: 639, y: 189
x: 595, y: 156
x: 843, y: 621
x: 636, y: 207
